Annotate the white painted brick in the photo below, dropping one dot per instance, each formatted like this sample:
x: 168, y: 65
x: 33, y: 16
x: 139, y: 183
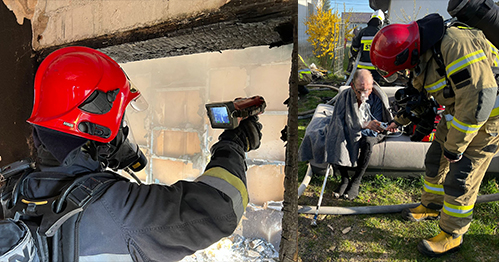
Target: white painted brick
x: 265, y: 183
x: 168, y: 171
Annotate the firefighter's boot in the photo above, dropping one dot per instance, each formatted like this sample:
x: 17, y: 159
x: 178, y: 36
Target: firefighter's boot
x: 420, y: 213
x: 439, y: 245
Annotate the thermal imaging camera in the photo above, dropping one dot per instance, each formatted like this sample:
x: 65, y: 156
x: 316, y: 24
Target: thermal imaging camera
x: 227, y: 115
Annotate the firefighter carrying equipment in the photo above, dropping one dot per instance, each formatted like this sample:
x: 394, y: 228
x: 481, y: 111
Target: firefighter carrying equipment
x: 420, y: 213
x: 439, y: 245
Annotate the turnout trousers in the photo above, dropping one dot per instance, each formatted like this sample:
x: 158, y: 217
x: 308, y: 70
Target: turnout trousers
x: 453, y: 188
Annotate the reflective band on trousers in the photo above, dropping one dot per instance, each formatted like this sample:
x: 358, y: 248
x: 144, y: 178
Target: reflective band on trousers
x: 433, y: 188
x: 465, y: 61
x: 457, y: 211
x: 437, y: 86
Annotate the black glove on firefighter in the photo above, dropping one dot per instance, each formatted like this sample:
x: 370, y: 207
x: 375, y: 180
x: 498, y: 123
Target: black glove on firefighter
x: 247, y: 134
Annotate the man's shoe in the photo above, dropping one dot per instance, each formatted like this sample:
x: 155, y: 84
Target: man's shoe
x: 440, y: 245
x: 420, y: 213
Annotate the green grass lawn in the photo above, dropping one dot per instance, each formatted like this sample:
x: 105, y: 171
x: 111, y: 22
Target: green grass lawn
x: 384, y: 237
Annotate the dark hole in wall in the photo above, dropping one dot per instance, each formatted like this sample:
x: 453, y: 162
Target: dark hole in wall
x: 17, y: 67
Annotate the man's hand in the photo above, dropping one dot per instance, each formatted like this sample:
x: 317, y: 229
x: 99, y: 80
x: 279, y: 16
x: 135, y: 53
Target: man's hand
x: 375, y: 126
x: 392, y: 127
x: 247, y: 134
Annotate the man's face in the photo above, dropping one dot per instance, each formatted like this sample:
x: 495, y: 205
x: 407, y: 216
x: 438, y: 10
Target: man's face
x: 363, y: 87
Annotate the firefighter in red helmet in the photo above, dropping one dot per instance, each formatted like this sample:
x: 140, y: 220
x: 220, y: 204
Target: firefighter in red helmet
x: 453, y: 64
x: 80, y: 99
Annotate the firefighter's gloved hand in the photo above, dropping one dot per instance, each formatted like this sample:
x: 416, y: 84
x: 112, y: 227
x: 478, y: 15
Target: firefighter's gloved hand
x: 247, y: 134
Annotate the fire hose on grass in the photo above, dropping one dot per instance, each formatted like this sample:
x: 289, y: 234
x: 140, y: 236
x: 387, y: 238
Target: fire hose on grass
x: 363, y: 210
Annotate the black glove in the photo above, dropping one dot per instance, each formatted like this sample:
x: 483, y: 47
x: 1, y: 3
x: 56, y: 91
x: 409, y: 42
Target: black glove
x: 247, y: 134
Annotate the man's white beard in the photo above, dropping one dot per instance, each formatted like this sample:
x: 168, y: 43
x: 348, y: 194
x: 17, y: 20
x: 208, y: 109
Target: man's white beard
x: 363, y: 97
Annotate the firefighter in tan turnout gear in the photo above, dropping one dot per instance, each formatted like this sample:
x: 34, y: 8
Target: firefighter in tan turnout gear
x: 453, y: 65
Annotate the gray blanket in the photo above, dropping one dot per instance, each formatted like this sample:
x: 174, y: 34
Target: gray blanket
x: 333, y: 135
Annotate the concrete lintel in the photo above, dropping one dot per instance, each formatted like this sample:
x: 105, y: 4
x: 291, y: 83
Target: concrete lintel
x: 236, y: 25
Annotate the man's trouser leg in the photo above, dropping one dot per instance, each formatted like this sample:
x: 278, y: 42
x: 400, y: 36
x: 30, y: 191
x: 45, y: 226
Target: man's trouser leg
x: 345, y: 180
x: 366, y: 145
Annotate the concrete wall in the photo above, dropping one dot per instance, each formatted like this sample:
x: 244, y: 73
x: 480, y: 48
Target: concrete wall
x: 57, y: 22
x: 175, y: 133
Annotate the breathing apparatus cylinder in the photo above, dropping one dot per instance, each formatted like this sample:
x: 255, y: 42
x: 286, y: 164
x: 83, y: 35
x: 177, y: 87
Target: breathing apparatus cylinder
x: 482, y: 14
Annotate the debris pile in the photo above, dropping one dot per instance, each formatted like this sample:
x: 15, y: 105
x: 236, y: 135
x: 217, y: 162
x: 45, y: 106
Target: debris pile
x: 237, y: 249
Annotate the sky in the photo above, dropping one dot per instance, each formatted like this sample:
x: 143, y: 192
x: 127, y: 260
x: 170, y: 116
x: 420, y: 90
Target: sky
x: 355, y: 5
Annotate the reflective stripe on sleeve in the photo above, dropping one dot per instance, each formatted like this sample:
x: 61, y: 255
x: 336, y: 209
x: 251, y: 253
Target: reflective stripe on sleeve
x: 229, y: 184
x: 494, y: 52
x: 457, y: 211
x: 448, y: 119
x: 433, y: 188
x: 465, y: 61
x: 437, y: 86
x: 465, y: 128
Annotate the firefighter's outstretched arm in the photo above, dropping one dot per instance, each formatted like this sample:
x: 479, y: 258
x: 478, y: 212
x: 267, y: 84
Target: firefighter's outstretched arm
x: 166, y: 223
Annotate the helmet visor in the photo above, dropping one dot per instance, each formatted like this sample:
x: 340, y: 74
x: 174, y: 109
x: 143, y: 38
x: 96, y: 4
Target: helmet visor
x: 138, y: 103
x: 390, y: 78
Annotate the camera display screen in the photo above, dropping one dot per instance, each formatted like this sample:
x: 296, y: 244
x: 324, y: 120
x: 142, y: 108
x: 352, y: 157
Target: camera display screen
x: 220, y: 115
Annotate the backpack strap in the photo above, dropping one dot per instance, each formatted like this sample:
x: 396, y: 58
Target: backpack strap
x: 437, y: 56
x: 54, y: 211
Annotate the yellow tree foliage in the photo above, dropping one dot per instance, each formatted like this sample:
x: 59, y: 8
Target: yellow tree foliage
x: 323, y: 29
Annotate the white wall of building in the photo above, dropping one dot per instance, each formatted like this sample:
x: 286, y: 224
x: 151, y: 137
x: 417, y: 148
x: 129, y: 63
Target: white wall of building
x: 404, y: 11
x: 174, y: 132
x: 305, y: 7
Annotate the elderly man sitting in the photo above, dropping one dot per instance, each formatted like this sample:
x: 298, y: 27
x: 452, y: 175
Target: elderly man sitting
x: 345, y: 139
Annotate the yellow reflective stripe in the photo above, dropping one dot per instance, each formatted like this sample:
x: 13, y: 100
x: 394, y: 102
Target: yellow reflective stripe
x: 355, y: 49
x: 433, y: 188
x: 465, y: 128
x: 39, y: 203
x: 367, y: 41
x: 225, y: 175
x: 448, y: 118
x: 465, y: 27
x: 465, y: 61
x: 495, y: 110
x: 437, y: 86
x: 458, y: 211
x: 494, y: 51
x: 366, y: 67
x: 302, y: 60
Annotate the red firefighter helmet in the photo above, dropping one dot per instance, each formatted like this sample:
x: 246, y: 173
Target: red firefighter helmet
x: 395, y: 47
x: 82, y: 92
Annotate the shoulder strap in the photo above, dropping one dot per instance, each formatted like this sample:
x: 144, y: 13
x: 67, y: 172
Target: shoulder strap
x: 437, y: 55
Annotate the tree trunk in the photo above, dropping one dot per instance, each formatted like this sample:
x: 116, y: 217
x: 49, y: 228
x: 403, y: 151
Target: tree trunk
x: 288, y: 250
